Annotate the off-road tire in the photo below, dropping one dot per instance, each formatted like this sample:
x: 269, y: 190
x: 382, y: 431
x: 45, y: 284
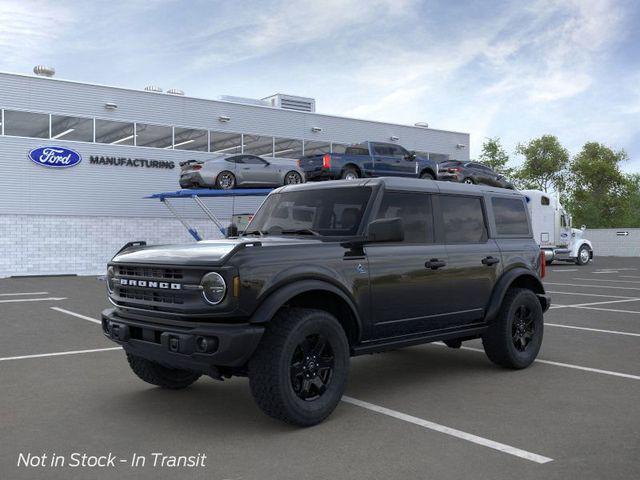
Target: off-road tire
x: 348, y: 173
x: 579, y: 260
x: 270, y: 367
x: 156, y: 374
x: 427, y: 176
x: 498, y: 340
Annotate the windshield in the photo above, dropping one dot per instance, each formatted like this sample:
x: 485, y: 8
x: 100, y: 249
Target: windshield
x: 333, y: 212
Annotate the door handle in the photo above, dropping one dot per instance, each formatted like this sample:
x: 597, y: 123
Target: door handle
x: 434, y: 264
x: 488, y: 261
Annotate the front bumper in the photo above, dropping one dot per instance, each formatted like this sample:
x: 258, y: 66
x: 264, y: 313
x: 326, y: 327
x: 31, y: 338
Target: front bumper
x: 193, y: 346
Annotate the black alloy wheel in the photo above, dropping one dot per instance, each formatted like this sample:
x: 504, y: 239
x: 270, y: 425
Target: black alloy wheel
x: 522, y: 327
x: 312, y: 367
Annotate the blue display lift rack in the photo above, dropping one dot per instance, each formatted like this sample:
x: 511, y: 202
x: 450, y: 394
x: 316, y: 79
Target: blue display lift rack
x: 197, y: 195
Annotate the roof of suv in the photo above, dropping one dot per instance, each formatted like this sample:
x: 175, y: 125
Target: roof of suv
x: 409, y: 184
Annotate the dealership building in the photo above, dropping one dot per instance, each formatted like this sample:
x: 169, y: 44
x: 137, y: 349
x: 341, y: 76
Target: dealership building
x: 128, y: 144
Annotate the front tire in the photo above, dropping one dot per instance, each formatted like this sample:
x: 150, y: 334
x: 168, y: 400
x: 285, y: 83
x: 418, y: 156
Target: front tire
x: 164, y: 377
x: 514, y: 338
x: 299, y: 370
x: 584, y: 255
x: 427, y: 176
x: 225, y: 180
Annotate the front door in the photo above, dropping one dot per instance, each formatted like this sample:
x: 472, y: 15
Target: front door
x: 408, y: 286
x: 257, y: 171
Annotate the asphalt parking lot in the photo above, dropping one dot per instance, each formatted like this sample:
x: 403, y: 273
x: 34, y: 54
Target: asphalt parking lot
x: 423, y: 412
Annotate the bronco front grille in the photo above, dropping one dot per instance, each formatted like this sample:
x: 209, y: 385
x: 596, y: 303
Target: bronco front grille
x: 149, y: 272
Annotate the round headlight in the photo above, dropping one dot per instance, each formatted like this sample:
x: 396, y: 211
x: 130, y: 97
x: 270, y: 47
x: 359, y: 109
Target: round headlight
x: 111, y: 273
x: 214, y: 288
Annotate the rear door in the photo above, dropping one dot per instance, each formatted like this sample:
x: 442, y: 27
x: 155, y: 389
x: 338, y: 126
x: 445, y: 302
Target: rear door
x: 474, y: 259
x: 407, y: 295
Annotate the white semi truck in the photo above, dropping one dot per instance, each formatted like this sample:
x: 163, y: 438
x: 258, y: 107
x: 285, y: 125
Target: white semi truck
x: 553, y: 232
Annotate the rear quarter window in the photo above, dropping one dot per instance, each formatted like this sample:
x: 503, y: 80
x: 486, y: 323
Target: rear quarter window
x: 510, y: 216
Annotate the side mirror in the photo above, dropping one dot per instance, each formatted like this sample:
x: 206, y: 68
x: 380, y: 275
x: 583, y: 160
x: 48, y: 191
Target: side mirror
x: 386, y: 230
x: 410, y: 156
x: 232, y: 231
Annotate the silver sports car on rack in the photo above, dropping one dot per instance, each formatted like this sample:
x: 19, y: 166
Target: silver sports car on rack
x: 240, y: 170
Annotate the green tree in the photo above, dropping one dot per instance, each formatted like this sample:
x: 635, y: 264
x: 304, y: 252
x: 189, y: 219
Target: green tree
x: 494, y: 156
x: 545, y: 164
x: 600, y: 194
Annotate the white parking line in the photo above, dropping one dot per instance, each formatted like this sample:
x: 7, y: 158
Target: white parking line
x: 629, y: 276
x: 565, y: 365
x: 27, y: 293
x: 74, y: 314
x: 16, y: 300
x: 610, y: 310
x: 614, y: 332
x: 587, y: 294
x: 605, y: 272
x: 567, y: 270
x: 592, y: 286
x: 485, y: 442
x: 57, y: 354
x: 577, y: 305
x: 607, y: 280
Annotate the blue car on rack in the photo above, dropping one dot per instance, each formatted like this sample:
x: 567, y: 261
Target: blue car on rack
x: 368, y: 159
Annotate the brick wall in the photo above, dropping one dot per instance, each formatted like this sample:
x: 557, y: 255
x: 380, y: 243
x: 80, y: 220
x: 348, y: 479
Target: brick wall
x: 53, y: 245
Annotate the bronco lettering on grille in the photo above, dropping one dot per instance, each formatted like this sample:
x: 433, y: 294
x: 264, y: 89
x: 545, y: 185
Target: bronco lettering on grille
x: 148, y: 284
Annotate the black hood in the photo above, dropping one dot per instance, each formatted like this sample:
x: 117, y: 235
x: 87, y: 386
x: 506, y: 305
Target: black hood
x: 207, y: 252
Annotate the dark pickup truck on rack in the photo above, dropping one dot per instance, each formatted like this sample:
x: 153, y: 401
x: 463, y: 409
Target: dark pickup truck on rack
x: 368, y: 159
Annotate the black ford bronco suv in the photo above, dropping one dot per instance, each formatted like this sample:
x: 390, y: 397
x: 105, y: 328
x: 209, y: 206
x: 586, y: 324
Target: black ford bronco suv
x: 327, y: 271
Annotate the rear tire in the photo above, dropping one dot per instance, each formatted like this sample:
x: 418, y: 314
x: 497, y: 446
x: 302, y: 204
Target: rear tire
x: 514, y: 338
x: 156, y: 374
x: 350, y: 173
x: 299, y: 370
x: 292, y: 178
x: 584, y: 255
x: 225, y: 180
x: 469, y: 181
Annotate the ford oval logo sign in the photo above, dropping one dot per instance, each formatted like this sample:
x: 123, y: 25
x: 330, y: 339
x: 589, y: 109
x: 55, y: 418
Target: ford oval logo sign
x: 55, y: 157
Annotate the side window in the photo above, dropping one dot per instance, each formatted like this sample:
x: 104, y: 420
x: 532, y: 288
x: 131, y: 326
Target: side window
x: 415, y: 211
x: 381, y: 150
x: 463, y: 219
x: 397, y: 151
x: 252, y: 160
x: 510, y: 216
x: 234, y: 159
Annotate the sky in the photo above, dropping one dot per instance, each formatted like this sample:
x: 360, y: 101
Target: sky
x: 509, y: 69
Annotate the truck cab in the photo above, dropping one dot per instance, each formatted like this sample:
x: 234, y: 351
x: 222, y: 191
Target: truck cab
x: 552, y: 229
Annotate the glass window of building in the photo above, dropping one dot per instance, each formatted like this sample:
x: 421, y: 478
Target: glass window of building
x: 258, y: 145
x: 190, y: 139
x: 287, y: 148
x: 438, y: 157
x: 157, y: 136
x: 115, y: 133
x: 71, y: 128
x: 226, y: 143
x: 26, y: 124
x: 316, y: 148
x: 338, y: 147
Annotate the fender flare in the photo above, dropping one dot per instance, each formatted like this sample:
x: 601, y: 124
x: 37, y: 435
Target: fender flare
x: 275, y: 300
x: 576, y: 247
x: 502, y: 285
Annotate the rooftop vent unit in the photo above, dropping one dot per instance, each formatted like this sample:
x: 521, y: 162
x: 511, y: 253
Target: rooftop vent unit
x: 175, y: 91
x: 291, y: 102
x: 153, y: 88
x: 244, y: 100
x: 43, y: 71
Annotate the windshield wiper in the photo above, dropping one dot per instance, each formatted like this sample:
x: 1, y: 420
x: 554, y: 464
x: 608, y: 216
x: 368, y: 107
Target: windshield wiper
x: 301, y: 231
